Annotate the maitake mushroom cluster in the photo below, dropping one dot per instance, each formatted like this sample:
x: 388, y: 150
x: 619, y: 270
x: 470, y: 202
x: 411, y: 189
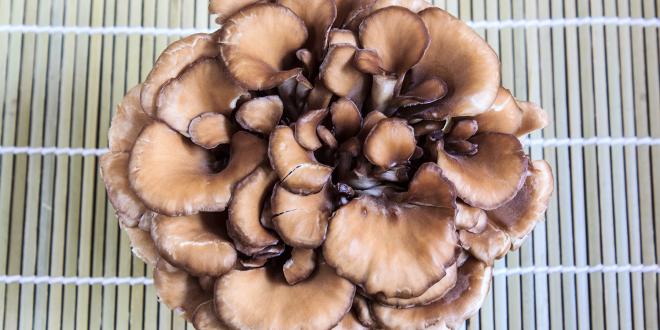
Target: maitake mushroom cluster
x: 325, y: 163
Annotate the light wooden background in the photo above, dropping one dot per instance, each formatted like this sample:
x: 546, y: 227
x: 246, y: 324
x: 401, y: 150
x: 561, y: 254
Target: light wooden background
x: 60, y: 90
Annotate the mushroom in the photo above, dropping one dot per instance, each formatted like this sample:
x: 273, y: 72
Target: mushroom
x: 413, y: 5
x: 510, y: 116
x: 347, y: 8
x: 470, y: 218
x: 114, y: 170
x: 346, y: 118
x: 519, y: 216
x: 391, y: 142
x: 225, y: 8
x: 456, y: 306
x: 492, y: 176
x: 463, y: 129
x: 177, y: 289
x: 204, y: 317
x: 327, y: 137
x: 349, y: 322
x: 141, y: 244
x: 488, y: 245
x: 260, y: 115
x: 245, y: 208
x: 394, y: 247
x: 128, y: 122
x: 340, y: 75
x: 261, y: 298
x: 301, y: 221
x: 296, y: 167
x: 305, y: 130
x: 258, y: 44
x: 434, y: 293
x: 318, y: 16
x: 421, y: 92
x: 188, y: 95
x: 341, y: 36
x: 171, y: 62
x: 300, y: 266
x: 210, y: 129
x: 463, y: 60
x: 157, y: 165
x: 197, y: 243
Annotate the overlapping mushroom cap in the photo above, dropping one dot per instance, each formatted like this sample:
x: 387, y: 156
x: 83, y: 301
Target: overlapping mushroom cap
x: 320, y: 164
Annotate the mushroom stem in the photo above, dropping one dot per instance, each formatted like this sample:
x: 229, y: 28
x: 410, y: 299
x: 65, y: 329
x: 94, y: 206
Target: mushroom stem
x: 383, y: 90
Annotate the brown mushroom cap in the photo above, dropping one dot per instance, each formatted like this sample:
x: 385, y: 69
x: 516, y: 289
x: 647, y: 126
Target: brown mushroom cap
x: 177, y: 289
x: 339, y: 73
x: 262, y: 299
x: 468, y: 218
x: 300, y: 266
x: 318, y: 16
x: 296, y: 167
x: 205, y: 318
x: 172, y: 61
x: 391, y: 142
x: 128, y: 122
x: 413, y: 5
x: 488, y: 245
x: 349, y: 322
x: 141, y: 244
x: 225, y: 8
x: 261, y: 114
x: 114, y: 170
x: 509, y: 116
x: 195, y: 243
x: 434, y: 293
x: 346, y: 118
x: 492, y: 176
x: 519, y: 216
x: 258, y: 44
x: 162, y: 159
x: 463, y: 129
x: 459, y: 304
x: 341, y: 36
x: 300, y: 220
x: 305, y: 130
x: 347, y: 8
x: 188, y: 96
x: 210, y: 130
x: 425, y: 91
x: 462, y: 59
x: 245, y: 211
x: 398, y: 35
x: 429, y: 187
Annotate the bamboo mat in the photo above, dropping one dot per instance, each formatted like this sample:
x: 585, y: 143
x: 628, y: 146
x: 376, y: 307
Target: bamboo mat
x: 594, y: 79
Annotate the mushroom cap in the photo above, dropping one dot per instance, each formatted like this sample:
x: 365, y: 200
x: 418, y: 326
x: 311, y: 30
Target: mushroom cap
x: 339, y: 73
x: 510, y: 116
x: 305, y: 130
x: 534, y: 118
x: 261, y: 114
x: 210, y: 130
x: 391, y: 142
x: 262, y: 299
x: 434, y: 293
x: 141, y: 244
x: 492, y: 176
x: 342, y: 37
x: 391, y: 249
x: 519, y: 216
x: 259, y: 42
x: 318, y: 16
x: 301, y: 221
x: 162, y: 159
x: 398, y: 35
x: 349, y: 322
x: 346, y: 118
x: 347, y: 8
x: 245, y: 209
x: 488, y: 245
x: 461, y: 58
x: 196, y: 243
x: 300, y: 266
x: 459, y: 304
x: 226, y: 8
x: 429, y: 187
x: 128, y: 122
x: 463, y: 129
x: 177, y: 289
x: 413, y: 5
x: 114, y: 170
x: 205, y: 318
x: 469, y: 218
x: 296, y: 167
x: 172, y: 61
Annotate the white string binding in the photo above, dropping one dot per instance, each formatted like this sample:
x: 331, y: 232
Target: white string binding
x: 141, y: 30
x: 551, y: 142
x: 536, y: 270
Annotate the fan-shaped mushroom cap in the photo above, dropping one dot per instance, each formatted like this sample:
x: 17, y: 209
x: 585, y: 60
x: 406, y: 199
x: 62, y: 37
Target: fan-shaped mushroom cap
x: 300, y: 220
x: 468, y: 217
x: 305, y: 130
x: 261, y: 299
x: 210, y: 130
x: 492, y: 176
x: 128, y: 122
x: 346, y: 118
x: 398, y: 35
x: 426, y: 91
x: 462, y: 59
x: 341, y: 36
x: 172, y: 61
x: 205, y: 318
x: 463, y: 129
x: 519, y: 216
x: 177, y: 289
x: 261, y: 114
x: 434, y: 293
x: 114, y: 170
x: 300, y: 266
x: 429, y: 187
x: 258, y: 44
x: 339, y: 73
x: 391, y: 249
x: 188, y: 95
x: 391, y: 142
x: 318, y: 16
x: 349, y: 322
x: 459, y: 304
x: 488, y: 245
x: 413, y: 5
x: 509, y: 116
x: 162, y: 159
x: 370, y: 122
x: 196, y: 243
x: 225, y: 8
x: 296, y: 167
x: 245, y: 211
x: 141, y: 244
